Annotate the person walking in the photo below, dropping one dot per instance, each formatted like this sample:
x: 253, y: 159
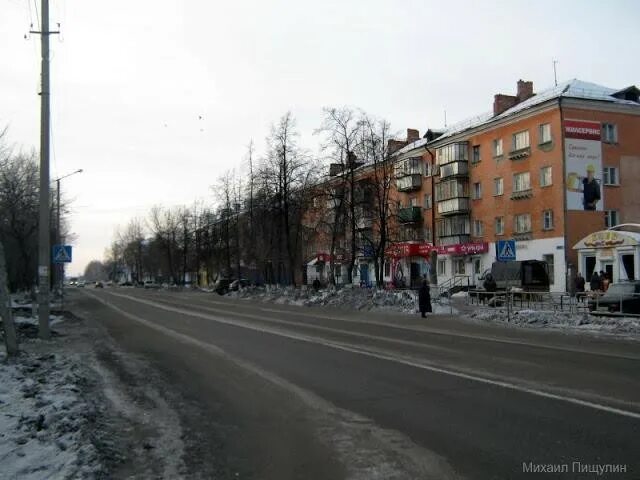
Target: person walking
x: 595, y: 282
x: 604, y: 281
x: 490, y: 286
x: 424, y: 299
x: 579, y: 286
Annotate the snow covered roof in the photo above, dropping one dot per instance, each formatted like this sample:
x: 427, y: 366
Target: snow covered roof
x: 570, y: 89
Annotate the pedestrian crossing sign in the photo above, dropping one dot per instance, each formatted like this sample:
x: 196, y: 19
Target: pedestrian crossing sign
x: 61, y: 253
x: 506, y: 250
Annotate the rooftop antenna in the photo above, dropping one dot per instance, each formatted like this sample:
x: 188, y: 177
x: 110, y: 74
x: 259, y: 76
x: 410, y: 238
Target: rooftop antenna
x: 555, y: 73
x: 445, y: 118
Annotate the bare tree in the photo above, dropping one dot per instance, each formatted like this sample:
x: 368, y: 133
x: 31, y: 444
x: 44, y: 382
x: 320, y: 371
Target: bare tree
x: 342, y: 129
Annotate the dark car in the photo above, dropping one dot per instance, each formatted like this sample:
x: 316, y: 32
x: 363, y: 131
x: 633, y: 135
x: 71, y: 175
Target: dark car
x: 623, y: 297
x: 238, y: 284
x: 222, y: 286
x: 98, y: 285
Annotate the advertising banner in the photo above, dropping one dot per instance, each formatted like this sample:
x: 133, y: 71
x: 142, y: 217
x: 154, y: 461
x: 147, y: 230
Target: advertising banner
x: 583, y: 160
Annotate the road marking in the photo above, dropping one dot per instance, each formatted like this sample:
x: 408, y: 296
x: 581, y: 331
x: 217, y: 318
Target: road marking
x: 437, y: 331
x: 376, y: 354
x: 424, y: 461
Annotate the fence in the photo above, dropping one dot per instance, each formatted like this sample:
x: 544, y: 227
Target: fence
x: 627, y: 304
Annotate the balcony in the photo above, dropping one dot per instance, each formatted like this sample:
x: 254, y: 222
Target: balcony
x: 520, y: 153
x: 409, y: 234
x: 409, y: 183
x: 454, y: 169
x: 453, y: 206
x: 521, y: 194
x: 410, y: 215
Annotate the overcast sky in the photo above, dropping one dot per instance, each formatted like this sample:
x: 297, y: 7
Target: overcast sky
x: 130, y: 79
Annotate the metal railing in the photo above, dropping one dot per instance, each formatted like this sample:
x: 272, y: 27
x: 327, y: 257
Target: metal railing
x: 626, y: 304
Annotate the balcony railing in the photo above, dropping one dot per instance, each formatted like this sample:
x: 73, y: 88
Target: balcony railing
x: 409, y: 183
x: 410, y: 215
x: 454, y: 169
x: 453, y: 206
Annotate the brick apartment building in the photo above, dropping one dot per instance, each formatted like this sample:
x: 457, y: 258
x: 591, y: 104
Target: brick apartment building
x: 517, y: 172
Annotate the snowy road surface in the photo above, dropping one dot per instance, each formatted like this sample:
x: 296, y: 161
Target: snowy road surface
x: 276, y: 391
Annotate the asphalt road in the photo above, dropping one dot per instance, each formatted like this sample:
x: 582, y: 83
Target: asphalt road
x: 323, y: 393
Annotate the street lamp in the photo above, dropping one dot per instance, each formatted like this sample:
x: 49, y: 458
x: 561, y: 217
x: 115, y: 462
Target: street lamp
x: 60, y: 268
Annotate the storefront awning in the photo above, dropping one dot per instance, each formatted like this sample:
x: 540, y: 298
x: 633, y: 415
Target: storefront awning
x: 608, y: 239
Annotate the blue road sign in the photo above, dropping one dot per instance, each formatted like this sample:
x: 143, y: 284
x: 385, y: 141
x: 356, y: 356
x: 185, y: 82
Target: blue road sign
x: 506, y: 250
x: 61, y: 253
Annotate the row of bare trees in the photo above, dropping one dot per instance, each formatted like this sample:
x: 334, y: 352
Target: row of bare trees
x: 260, y: 223
x: 19, y: 190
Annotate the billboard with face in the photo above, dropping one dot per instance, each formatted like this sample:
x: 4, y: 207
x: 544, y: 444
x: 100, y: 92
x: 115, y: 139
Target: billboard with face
x: 583, y: 160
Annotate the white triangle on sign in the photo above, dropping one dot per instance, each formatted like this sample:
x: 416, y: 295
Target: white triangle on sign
x: 62, y: 256
x: 507, y: 251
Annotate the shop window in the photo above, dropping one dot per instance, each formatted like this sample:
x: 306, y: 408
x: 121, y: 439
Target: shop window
x: 458, y: 266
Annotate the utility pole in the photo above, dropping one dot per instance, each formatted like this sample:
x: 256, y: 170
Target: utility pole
x: 555, y: 73
x: 44, y: 250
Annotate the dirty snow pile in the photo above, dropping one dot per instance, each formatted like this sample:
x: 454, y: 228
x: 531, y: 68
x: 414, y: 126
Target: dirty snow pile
x: 44, y: 420
x: 558, y: 319
x: 355, y: 298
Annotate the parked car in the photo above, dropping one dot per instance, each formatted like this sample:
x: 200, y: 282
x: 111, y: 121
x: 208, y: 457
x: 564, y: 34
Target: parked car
x: 222, y: 286
x: 98, y: 285
x: 125, y: 284
x: 622, y: 297
x: 151, y: 284
x: 238, y: 284
x: 81, y: 283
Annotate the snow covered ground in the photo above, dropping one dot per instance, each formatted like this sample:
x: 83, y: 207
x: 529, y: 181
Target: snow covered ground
x: 356, y: 298
x: 43, y: 415
x: 559, y: 320
x: 77, y: 407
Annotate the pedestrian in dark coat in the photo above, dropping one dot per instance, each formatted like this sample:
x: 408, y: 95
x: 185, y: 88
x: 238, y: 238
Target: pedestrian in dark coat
x: 579, y: 286
x: 424, y: 298
x: 595, y: 282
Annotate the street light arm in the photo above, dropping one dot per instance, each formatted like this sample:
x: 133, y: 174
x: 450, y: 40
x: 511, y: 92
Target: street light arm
x: 67, y: 175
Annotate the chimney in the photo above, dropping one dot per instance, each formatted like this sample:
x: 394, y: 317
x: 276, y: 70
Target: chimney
x: 525, y: 90
x: 412, y: 135
x: 503, y: 102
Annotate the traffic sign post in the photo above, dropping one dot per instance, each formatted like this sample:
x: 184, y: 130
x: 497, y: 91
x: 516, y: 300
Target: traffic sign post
x: 506, y: 250
x: 62, y: 254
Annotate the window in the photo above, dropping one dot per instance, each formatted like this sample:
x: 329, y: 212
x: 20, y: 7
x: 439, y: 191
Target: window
x: 610, y: 176
x: 442, y: 267
x: 477, y: 190
x: 387, y: 269
x: 521, y: 182
x: 414, y: 202
x: 498, y: 186
x: 497, y: 147
x: 520, y: 140
x: 547, y: 219
x: 545, y: 177
x: 499, y: 225
x: 609, y: 133
x: 477, y: 228
x: 545, y: 133
x: 551, y: 270
x: 523, y: 223
x: 454, y: 152
x: 475, y: 158
x: 610, y: 218
x: 458, y: 266
x: 427, y: 201
x: 427, y: 235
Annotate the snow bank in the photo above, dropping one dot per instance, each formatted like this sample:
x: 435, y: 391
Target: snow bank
x: 561, y: 320
x: 44, y: 419
x: 355, y: 298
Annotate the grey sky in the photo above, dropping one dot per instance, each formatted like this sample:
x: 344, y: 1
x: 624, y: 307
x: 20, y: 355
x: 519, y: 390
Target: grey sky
x: 122, y: 70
